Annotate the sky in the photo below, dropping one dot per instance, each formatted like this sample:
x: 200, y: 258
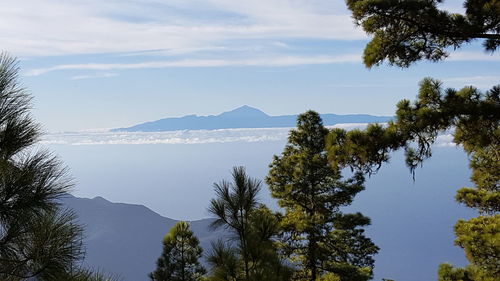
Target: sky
x: 93, y: 64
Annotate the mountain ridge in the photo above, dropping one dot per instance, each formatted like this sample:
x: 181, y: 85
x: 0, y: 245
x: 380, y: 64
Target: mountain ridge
x: 118, y: 234
x: 242, y: 117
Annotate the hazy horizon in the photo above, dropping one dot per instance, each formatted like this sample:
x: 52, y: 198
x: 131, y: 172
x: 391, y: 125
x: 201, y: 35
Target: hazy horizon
x: 121, y: 172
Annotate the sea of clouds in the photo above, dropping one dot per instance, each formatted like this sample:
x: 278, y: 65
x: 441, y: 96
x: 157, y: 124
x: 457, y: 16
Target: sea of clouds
x: 189, y: 136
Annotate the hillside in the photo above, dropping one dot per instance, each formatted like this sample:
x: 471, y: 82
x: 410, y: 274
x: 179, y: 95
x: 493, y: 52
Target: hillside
x: 126, y: 239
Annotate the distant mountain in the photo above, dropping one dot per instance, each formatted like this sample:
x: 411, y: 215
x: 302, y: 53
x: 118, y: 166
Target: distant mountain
x: 243, y: 117
x: 126, y: 239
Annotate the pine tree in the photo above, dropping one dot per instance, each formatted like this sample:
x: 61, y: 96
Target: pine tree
x: 38, y: 239
x: 318, y: 237
x: 475, y: 118
x: 405, y: 31
x: 408, y: 31
x: 253, y: 256
x: 180, y: 258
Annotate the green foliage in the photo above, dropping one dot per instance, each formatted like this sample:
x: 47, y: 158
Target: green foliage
x: 475, y: 119
x: 474, y: 116
x: 329, y: 277
x: 480, y: 238
x: 38, y: 240
x: 18, y: 130
x: 405, y: 31
x: 469, y: 273
x: 317, y: 236
x: 179, y: 260
x: 225, y: 262
x: 253, y: 255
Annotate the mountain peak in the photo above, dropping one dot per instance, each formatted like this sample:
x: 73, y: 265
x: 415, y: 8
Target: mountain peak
x: 244, y: 111
x: 242, y: 117
x: 100, y: 199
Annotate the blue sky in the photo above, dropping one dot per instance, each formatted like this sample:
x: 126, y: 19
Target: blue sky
x: 104, y: 64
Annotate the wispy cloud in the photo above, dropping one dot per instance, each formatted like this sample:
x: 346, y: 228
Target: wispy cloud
x: 92, y: 76
x: 268, y: 61
x: 53, y: 27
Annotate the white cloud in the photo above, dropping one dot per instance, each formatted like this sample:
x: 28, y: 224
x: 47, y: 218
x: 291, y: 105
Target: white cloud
x: 176, y: 137
x: 173, y: 137
x: 105, y: 137
x: 52, y: 27
x: 445, y: 140
x: 268, y: 61
x: 97, y: 75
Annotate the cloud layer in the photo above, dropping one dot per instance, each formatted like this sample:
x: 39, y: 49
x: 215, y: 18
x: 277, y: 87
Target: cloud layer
x: 176, y: 137
x: 190, y: 136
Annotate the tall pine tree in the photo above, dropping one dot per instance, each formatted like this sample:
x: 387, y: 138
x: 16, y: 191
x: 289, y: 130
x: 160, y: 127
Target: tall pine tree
x: 320, y: 240
x: 179, y: 260
x: 38, y: 239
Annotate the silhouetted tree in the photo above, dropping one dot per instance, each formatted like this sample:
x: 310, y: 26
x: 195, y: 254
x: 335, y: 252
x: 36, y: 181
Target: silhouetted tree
x: 321, y: 240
